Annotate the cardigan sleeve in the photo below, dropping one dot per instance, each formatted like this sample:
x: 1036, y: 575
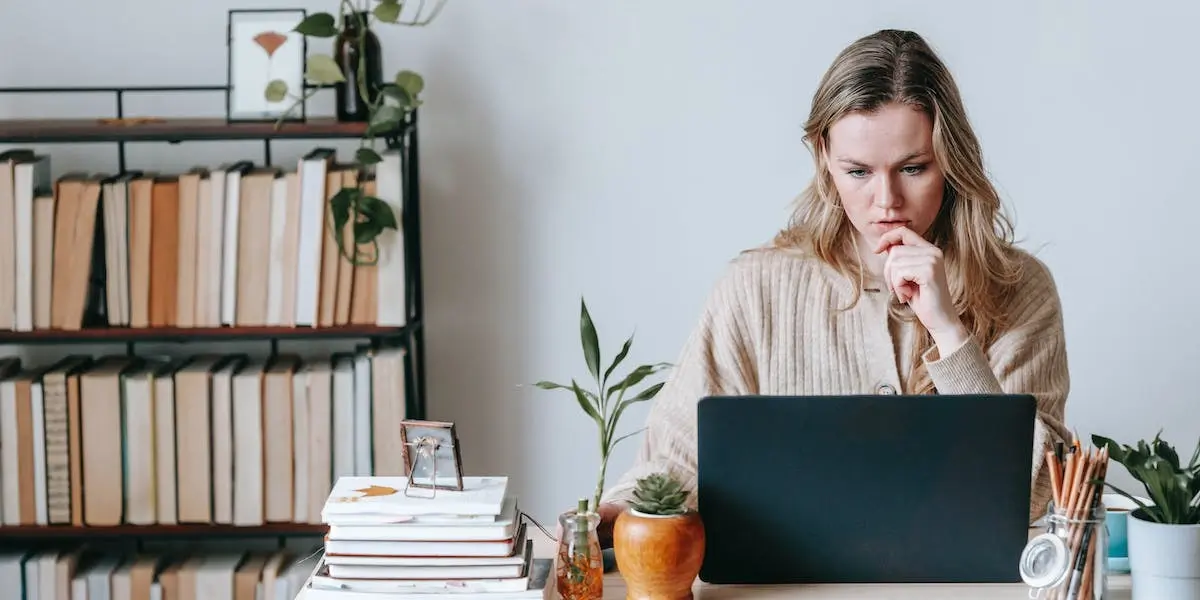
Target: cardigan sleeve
x: 717, y: 359
x: 1029, y: 358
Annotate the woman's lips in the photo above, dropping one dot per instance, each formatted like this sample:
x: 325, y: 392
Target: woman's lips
x: 890, y: 225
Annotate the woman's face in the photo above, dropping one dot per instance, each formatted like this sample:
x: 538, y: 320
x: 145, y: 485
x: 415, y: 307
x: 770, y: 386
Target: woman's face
x: 883, y: 167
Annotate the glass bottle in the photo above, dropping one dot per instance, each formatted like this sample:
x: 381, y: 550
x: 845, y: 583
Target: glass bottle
x: 580, y: 564
x: 357, y: 43
x: 1069, y: 560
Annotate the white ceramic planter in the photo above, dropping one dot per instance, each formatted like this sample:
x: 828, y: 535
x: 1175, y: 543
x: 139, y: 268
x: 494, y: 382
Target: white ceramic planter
x: 1164, y: 560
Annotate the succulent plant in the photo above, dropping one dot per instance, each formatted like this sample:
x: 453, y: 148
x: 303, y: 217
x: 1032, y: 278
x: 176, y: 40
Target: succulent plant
x: 660, y: 494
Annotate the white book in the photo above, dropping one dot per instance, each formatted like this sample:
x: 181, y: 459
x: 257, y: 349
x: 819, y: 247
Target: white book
x: 139, y: 446
x: 229, y: 254
x: 300, y: 446
x: 343, y: 416
x: 33, y: 580
x: 223, y: 442
x: 387, y: 495
x: 540, y: 586
x: 324, y: 578
x: 425, y: 549
x: 31, y: 178
x: 214, y: 577
x: 166, y: 498
x: 522, y: 547
x: 275, y: 291
x: 248, y: 477
x: 9, y: 457
x: 391, y: 527
x: 313, y: 197
x: 363, y: 442
x: 391, y: 309
x: 39, y: 452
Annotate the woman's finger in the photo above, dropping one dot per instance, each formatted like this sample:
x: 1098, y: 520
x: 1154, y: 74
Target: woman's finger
x: 902, y: 236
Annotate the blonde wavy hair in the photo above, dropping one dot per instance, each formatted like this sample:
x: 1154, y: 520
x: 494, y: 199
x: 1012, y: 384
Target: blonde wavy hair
x: 975, y: 237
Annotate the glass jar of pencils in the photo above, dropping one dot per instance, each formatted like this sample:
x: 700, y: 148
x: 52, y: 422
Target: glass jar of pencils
x: 580, y: 563
x: 1068, y: 561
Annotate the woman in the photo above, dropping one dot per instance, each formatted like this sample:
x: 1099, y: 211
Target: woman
x: 897, y: 273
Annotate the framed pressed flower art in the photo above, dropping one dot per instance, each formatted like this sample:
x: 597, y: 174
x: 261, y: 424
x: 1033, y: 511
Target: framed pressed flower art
x: 432, y: 455
x: 266, y: 65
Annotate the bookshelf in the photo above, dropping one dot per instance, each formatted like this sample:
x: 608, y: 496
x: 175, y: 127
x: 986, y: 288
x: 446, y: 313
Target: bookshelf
x: 119, y: 131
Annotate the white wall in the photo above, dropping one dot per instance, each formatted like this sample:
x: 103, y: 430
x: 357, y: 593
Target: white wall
x: 624, y: 150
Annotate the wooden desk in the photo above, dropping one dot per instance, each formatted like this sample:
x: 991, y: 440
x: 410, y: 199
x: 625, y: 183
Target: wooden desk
x: 614, y: 587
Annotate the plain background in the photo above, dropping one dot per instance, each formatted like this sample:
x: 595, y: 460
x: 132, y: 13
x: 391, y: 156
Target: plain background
x: 625, y: 151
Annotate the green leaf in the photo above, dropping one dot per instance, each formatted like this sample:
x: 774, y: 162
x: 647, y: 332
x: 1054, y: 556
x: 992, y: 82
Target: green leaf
x: 378, y: 211
x: 365, y: 231
x: 625, y: 403
x: 584, y: 403
x: 636, y: 376
x: 323, y: 70
x: 388, y: 11
x: 320, y: 25
x: 367, y: 156
x: 591, y: 342
x: 397, y: 93
x: 1172, y: 489
x: 339, y: 206
x: 616, y: 361
x: 550, y: 385
x: 276, y: 90
x: 386, y: 118
x: 613, y: 444
x: 410, y: 82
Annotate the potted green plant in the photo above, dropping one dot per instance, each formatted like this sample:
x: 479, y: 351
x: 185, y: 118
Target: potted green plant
x: 1164, y: 534
x: 387, y: 107
x: 659, y: 541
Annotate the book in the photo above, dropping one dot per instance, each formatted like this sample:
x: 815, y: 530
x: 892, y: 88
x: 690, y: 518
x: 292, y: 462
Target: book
x: 386, y: 527
x: 538, y: 585
x: 390, y: 495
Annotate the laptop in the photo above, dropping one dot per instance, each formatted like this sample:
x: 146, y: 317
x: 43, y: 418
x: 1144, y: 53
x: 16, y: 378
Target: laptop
x: 864, y: 488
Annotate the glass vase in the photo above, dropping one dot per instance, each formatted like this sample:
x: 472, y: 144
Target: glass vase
x: 350, y: 55
x: 1069, y: 561
x: 579, y: 563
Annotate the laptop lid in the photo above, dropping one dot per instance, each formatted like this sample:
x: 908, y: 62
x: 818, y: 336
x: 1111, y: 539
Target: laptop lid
x: 864, y: 488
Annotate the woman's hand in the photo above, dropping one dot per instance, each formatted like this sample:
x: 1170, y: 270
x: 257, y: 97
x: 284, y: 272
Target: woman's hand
x: 609, y: 512
x: 915, y: 272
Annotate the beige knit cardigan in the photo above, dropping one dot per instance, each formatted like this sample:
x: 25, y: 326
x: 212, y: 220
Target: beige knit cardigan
x: 771, y: 325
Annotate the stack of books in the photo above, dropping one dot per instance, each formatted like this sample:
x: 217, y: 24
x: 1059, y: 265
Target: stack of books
x: 390, y: 541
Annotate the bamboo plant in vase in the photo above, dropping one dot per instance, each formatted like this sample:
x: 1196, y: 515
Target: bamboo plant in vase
x: 580, y: 568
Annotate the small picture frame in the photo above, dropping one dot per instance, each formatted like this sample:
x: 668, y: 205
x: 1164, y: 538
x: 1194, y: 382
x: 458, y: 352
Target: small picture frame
x: 432, y: 456
x: 264, y: 47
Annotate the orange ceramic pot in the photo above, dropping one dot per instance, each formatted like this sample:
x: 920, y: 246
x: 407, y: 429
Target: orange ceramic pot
x: 659, y: 557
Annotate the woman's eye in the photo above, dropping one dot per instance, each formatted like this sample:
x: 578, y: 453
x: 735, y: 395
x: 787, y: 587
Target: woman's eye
x: 857, y: 173
x: 913, y: 169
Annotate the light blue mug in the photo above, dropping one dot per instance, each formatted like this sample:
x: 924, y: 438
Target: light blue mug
x: 1116, y: 519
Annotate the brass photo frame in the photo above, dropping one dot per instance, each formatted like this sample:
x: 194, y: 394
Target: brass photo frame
x: 432, y: 457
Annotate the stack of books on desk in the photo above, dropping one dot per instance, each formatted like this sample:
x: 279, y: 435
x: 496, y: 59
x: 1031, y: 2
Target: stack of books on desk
x: 389, y: 541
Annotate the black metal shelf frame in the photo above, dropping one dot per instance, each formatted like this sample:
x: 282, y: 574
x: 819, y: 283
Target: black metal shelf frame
x: 411, y: 336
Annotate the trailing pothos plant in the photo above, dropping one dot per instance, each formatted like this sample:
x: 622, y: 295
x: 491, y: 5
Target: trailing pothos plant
x: 388, y: 108
x: 606, y: 403
x: 1174, y: 488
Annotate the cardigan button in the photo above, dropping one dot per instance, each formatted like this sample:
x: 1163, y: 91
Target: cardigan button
x: 886, y: 389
